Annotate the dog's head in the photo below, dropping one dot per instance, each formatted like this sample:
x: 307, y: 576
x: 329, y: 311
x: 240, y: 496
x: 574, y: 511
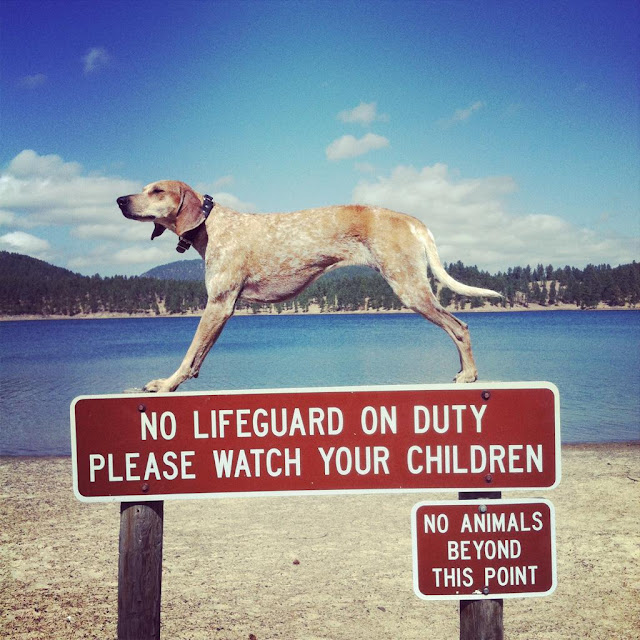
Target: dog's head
x: 169, y: 204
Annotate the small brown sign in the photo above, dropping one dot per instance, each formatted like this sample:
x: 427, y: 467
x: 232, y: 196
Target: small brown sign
x: 475, y: 549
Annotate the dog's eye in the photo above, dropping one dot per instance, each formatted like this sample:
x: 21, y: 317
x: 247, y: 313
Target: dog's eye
x: 156, y: 191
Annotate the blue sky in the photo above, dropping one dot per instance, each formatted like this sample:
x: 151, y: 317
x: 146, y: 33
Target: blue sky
x: 510, y: 127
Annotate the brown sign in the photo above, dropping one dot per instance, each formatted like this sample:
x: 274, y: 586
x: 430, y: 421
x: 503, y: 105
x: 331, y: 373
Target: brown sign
x: 475, y: 549
x: 185, y: 445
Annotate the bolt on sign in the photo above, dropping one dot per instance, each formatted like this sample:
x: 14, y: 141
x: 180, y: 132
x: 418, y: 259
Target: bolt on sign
x: 474, y: 549
x: 436, y: 437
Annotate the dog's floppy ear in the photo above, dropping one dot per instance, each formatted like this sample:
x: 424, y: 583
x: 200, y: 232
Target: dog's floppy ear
x: 190, y: 214
x: 158, y: 230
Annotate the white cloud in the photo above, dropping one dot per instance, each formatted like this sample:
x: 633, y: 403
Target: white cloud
x: 76, y: 212
x: 7, y: 218
x: 365, y: 167
x: 79, y: 210
x: 46, y: 190
x: 434, y: 189
x: 365, y: 113
x: 21, y: 242
x: 95, y: 59
x: 223, y: 181
x: 140, y: 255
x: 462, y: 115
x: 33, y: 81
x: 28, y: 164
x: 111, y: 258
x: 233, y: 202
x: 351, y: 147
x: 121, y: 230
x: 471, y: 222
x: 224, y: 197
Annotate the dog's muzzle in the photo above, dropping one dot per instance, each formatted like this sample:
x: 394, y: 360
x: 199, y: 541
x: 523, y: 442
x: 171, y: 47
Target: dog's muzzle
x: 123, y: 203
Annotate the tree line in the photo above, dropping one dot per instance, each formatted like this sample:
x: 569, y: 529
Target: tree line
x: 33, y: 287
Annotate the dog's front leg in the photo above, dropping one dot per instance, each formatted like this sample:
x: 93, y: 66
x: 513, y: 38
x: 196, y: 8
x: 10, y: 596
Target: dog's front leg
x: 211, y: 323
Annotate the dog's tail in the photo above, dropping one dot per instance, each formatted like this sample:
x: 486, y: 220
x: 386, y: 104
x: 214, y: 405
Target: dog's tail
x: 444, y: 278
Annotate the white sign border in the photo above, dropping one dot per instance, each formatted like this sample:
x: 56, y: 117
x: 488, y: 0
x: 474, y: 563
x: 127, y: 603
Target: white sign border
x: 477, y: 386
x: 486, y: 501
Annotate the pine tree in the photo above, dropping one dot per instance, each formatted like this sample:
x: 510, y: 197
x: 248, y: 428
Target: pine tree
x: 446, y: 296
x: 552, y: 293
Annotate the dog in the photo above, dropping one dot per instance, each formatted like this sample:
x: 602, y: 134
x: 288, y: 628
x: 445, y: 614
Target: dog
x: 268, y: 258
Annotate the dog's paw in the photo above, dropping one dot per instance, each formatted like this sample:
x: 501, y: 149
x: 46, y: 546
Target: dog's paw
x: 157, y: 386
x: 466, y: 376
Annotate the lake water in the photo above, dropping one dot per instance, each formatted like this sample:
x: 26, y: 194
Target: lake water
x: 593, y: 358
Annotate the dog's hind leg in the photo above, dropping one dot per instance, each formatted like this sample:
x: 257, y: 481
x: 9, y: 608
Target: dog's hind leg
x: 459, y: 332
x: 413, y: 289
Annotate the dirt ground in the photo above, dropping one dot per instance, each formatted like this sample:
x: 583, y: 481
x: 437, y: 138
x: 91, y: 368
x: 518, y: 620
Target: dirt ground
x: 306, y: 568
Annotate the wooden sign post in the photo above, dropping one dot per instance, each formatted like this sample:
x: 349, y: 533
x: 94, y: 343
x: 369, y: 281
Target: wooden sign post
x: 140, y: 570
x: 481, y: 619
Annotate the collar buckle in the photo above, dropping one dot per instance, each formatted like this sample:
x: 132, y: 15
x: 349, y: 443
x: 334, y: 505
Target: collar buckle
x: 183, y: 245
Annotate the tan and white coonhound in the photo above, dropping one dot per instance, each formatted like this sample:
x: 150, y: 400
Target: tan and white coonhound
x: 272, y: 257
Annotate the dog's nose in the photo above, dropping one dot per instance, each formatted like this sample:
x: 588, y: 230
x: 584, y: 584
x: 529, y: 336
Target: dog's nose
x: 122, y: 201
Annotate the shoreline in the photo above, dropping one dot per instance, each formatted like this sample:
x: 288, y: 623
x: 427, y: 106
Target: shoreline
x: 487, y: 308
x: 306, y: 567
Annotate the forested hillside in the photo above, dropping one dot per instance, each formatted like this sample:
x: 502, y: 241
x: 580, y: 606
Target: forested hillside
x: 178, y: 270
x: 33, y: 287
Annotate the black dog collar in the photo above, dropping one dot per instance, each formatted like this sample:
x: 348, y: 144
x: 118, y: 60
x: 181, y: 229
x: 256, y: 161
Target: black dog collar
x: 186, y: 240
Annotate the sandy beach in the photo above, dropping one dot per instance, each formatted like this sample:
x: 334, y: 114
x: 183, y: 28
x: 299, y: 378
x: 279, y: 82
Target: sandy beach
x: 314, y: 310
x: 308, y: 568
